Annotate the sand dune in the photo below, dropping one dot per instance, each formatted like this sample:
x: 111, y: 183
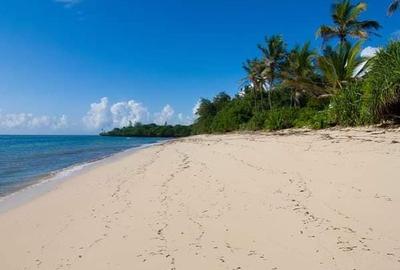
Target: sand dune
x: 308, y: 200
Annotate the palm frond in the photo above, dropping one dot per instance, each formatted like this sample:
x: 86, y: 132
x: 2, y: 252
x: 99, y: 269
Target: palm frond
x: 393, y: 7
x: 346, y: 21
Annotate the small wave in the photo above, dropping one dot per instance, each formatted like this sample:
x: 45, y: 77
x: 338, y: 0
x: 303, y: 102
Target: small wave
x: 62, y: 174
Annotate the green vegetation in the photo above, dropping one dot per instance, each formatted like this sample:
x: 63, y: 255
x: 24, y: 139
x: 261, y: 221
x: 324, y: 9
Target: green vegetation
x: 150, y: 130
x: 300, y: 87
x: 383, y: 84
x: 304, y: 87
x: 346, y: 21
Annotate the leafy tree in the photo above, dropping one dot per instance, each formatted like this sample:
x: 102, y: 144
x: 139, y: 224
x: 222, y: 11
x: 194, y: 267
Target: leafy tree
x: 255, y: 78
x: 206, y: 108
x: 150, y: 130
x: 299, y: 72
x: 341, y: 65
x: 274, y: 56
x: 345, y: 16
x: 221, y: 100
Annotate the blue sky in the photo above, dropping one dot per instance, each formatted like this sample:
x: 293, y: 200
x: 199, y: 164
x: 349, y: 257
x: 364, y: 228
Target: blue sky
x: 148, y: 60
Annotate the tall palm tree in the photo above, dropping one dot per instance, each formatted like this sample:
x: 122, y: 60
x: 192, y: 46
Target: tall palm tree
x: 255, y: 78
x: 341, y: 65
x: 274, y: 55
x: 346, y: 21
x: 299, y: 72
x: 393, y: 7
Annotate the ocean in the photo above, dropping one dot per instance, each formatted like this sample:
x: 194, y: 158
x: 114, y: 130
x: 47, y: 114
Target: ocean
x: 27, y: 160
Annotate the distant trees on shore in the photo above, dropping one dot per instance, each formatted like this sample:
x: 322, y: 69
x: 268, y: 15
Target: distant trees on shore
x: 150, y: 130
x: 305, y: 87
x: 300, y: 87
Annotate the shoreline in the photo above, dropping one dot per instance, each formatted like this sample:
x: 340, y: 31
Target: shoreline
x: 49, y: 182
x: 234, y: 201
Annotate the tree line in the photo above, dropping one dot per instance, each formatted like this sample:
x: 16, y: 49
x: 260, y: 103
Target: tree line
x: 305, y: 87
x: 300, y: 87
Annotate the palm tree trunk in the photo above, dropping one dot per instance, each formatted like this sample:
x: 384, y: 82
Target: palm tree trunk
x: 255, y: 98
x: 262, y: 99
x: 269, y: 99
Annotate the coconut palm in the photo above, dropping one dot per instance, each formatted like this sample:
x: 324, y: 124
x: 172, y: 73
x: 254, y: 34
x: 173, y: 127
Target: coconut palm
x: 255, y: 78
x: 341, y: 65
x: 299, y: 72
x: 393, y: 7
x: 274, y: 56
x: 346, y: 20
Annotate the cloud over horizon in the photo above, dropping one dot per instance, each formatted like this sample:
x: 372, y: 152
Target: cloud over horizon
x: 165, y: 115
x: 104, y: 115
x: 29, y: 121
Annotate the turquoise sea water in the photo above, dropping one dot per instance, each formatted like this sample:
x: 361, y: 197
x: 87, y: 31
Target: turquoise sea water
x: 25, y: 160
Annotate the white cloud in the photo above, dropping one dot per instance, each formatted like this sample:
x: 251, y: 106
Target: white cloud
x: 98, y: 116
x: 165, y: 115
x: 196, y: 108
x: 367, y: 53
x: 23, y: 121
x: 370, y: 52
x: 104, y: 116
x: 68, y: 3
x: 125, y: 112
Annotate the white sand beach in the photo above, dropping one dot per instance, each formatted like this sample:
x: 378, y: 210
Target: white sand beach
x: 309, y: 200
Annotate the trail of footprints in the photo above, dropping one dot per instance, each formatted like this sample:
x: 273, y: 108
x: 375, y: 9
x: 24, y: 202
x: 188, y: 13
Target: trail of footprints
x: 294, y: 196
x: 348, y: 240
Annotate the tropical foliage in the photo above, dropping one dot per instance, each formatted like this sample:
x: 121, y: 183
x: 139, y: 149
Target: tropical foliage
x: 151, y: 130
x: 383, y: 84
x: 304, y: 87
x: 347, y: 23
x: 341, y: 65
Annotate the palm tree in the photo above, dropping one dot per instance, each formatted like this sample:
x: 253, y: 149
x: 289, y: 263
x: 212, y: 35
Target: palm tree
x: 299, y: 72
x: 393, y: 7
x: 341, y: 65
x: 274, y: 55
x: 255, y: 78
x: 345, y: 16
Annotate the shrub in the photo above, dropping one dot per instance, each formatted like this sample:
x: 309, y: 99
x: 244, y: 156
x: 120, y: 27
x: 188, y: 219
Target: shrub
x: 304, y: 116
x: 346, y: 105
x: 232, y: 116
x: 320, y: 120
x: 280, y: 118
x: 312, y: 118
x: 383, y: 85
x: 256, y: 122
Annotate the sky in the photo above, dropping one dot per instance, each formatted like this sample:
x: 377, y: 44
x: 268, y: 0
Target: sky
x: 80, y: 66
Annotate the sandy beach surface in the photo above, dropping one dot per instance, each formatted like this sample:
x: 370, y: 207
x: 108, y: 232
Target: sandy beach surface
x: 308, y: 200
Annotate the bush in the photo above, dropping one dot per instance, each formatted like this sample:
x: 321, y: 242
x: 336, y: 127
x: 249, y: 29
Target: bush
x: 232, y: 116
x: 304, y: 117
x: 383, y: 85
x: 312, y: 118
x: 346, y: 105
x: 256, y: 122
x: 203, y: 125
x: 280, y: 118
x: 321, y: 120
